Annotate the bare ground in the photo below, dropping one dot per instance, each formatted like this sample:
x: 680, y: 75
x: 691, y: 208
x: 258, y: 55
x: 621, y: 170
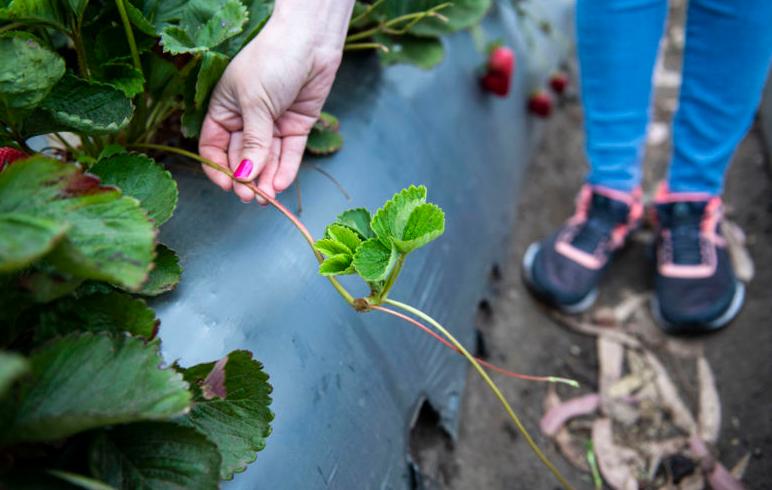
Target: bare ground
x: 517, y: 333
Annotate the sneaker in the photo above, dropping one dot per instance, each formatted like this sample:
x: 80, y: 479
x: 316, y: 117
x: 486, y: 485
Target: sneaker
x: 695, y: 286
x: 564, y: 270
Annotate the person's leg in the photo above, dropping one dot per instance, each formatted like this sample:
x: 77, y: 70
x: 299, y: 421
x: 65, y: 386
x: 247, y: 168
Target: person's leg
x: 726, y: 62
x: 617, y: 41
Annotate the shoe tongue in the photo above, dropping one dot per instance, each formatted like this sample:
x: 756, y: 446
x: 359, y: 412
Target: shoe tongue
x: 683, y: 219
x: 607, y: 209
x: 603, y: 215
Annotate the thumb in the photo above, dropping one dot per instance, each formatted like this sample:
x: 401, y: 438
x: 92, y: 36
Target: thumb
x: 256, y: 143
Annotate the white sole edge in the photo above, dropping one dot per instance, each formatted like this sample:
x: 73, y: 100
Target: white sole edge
x: 573, y: 309
x: 731, y: 312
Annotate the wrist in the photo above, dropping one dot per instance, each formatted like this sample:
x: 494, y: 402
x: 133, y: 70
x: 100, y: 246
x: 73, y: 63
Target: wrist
x: 323, y: 23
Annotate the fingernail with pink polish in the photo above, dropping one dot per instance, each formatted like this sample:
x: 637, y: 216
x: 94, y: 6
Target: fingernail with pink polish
x: 244, y: 169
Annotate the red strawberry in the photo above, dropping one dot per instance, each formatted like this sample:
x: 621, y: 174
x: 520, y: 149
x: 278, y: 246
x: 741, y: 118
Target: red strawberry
x: 8, y: 155
x: 501, y: 60
x: 496, y: 83
x: 498, y: 72
x: 540, y: 104
x: 559, y: 82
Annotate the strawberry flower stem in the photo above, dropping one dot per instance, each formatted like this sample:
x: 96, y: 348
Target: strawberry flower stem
x: 491, y: 384
x: 363, y: 46
x: 129, y: 34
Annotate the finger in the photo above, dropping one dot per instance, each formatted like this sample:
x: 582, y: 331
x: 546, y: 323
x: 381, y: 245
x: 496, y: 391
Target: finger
x: 213, y: 145
x: 256, y: 141
x: 235, y: 150
x: 292, y: 149
x: 265, y: 180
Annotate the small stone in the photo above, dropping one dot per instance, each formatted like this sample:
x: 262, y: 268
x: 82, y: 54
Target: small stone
x: 575, y: 350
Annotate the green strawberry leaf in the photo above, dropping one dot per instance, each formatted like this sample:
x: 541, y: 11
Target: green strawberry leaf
x: 423, y: 52
x: 123, y: 76
x: 28, y: 72
x: 407, y: 221
x: 80, y: 106
x: 231, y: 407
x: 110, y: 237
x: 389, y: 221
x: 24, y: 239
x: 12, y: 366
x: 212, y: 67
x: 155, y: 455
x: 138, y: 20
x: 204, y: 24
x: 337, y: 265
x: 165, y: 274
x: 325, y: 138
x: 259, y: 13
x: 374, y: 261
x: 344, y: 235
x: 426, y: 223
x: 47, y: 12
x: 357, y: 219
x: 101, y: 312
x: 330, y: 247
x: 84, y: 381
x: 140, y: 177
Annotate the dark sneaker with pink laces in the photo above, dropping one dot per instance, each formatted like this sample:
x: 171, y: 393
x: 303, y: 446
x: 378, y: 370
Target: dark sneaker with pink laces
x: 564, y: 270
x: 695, y: 287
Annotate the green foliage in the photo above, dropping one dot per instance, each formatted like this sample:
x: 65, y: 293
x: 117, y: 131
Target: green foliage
x: 80, y: 105
x: 423, y: 52
x: 47, y: 189
x: 83, y: 381
x: 155, y: 455
x: 325, y: 137
x: 231, y: 400
x: 142, y: 178
x: 110, y: 311
x: 375, y: 247
x: 24, y: 239
x: 28, y: 72
x: 165, y: 274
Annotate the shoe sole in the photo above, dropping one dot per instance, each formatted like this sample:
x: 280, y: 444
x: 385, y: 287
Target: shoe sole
x: 723, y: 320
x: 580, y: 306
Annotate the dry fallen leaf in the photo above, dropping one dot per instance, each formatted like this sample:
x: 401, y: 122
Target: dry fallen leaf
x: 741, y: 259
x: 616, y: 462
x: 710, y: 405
x: 611, y: 357
x: 559, y: 414
x: 682, y: 417
x: 566, y: 443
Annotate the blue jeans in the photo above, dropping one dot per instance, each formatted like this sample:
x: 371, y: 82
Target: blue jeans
x: 726, y: 61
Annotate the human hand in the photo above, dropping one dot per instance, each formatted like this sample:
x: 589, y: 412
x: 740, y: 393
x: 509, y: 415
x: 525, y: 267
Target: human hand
x: 271, y: 94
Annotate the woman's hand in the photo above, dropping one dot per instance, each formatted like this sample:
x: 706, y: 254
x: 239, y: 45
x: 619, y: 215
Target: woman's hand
x: 271, y: 95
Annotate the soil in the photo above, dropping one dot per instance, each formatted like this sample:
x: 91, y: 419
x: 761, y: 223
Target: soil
x: 515, y: 331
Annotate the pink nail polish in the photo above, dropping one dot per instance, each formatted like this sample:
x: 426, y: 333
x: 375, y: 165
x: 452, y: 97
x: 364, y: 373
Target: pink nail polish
x: 244, y: 169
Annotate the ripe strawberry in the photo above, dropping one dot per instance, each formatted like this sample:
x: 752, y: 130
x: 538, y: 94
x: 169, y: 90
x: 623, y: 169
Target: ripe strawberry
x: 8, y: 155
x: 501, y: 60
x: 496, y: 83
x: 540, y: 104
x: 559, y: 82
x: 498, y: 71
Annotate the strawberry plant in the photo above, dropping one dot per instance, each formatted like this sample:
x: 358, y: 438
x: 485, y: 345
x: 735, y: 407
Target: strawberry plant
x: 85, y: 396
